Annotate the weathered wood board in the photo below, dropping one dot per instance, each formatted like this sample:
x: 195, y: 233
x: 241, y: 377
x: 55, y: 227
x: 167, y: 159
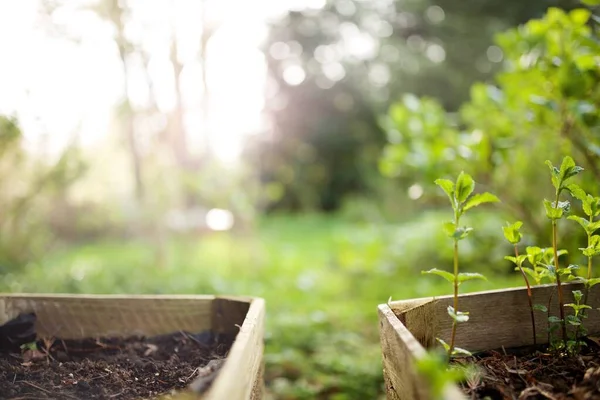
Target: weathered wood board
x: 81, y: 316
x: 498, y: 318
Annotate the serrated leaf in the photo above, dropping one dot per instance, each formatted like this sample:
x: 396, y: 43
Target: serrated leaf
x: 448, y: 188
x: 480, y: 198
x: 551, y: 212
x: 593, y: 226
x: 554, y: 320
x: 511, y: 232
x: 512, y: 259
x: 469, y: 276
x: 573, y: 320
x: 581, y: 221
x: 555, y: 175
x: 568, y: 169
x: 540, y: 307
x: 444, y: 274
x: 577, y: 295
x: 464, y: 186
x: 577, y: 192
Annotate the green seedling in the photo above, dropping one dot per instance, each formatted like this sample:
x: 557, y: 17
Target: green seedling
x: 461, y: 199
x: 513, y: 235
x: 591, y: 208
x: 576, y: 320
x: 556, y: 210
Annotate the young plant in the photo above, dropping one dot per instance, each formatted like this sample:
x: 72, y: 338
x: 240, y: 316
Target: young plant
x: 555, y: 210
x: 576, y: 320
x: 591, y: 208
x: 461, y: 200
x: 538, y: 258
x: 513, y: 235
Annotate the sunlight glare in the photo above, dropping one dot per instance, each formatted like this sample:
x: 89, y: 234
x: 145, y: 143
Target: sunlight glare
x: 219, y: 220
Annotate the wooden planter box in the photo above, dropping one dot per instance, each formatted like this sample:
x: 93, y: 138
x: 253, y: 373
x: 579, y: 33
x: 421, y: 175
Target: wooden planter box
x: 497, y: 318
x: 76, y: 317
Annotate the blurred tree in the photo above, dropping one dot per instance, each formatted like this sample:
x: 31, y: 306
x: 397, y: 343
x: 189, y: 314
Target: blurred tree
x: 332, y: 70
x: 546, y: 105
x: 30, y: 188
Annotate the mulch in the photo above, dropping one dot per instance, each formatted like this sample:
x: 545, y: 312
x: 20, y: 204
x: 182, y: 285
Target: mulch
x: 531, y: 373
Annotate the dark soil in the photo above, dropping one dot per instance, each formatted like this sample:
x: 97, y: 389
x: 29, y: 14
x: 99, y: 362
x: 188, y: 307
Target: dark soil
x: 112, y: 368
x: 534, y: 373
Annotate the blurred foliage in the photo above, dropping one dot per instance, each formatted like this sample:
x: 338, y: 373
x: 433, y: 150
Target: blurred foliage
x: 32, y: 191
x: 332, y: 71
x: 545, y: 105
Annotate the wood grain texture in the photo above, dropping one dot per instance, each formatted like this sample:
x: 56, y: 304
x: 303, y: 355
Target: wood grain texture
x: 497, y: 318
x: 244, y: 363
x: 400, y: 350
x: 81, y: 316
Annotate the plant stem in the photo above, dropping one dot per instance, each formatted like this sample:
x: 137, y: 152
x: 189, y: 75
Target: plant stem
x: 589, y: 272
x: 561, y: 302
x: 529, y: 295
x: 454, y: 323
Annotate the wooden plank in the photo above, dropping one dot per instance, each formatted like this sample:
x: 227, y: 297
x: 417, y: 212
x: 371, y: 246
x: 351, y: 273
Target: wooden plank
x: 74, y: 316
x: 400, y: 350
x: 496, y: 318
x: 244, y: 363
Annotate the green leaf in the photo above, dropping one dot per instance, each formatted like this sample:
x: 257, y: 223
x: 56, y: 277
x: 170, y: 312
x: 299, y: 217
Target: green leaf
x: 448, y: 188
x: 462, y: 232
x: 576, y: 191
x: 449, y: 228
x: 540, y: 307
x: 551, y: 212
x: 511, y: 232
x: 443, y: 343
x: 458, y: 316
x: 461, y: 351
x: 555, y: 175
x: 469, y: 276
x: 511, y: 259
x: 464, y: 186
x: 480, y: 198
x: 577, y: 295
x: 444, y: 274
x: 573, y: 320
x: 580, y: 16
x: 592, y: 282
x: 581, y: 221
x: 554, y: 320
x: 591, y: 3
x: 594, y: 226
x: 568, y: 169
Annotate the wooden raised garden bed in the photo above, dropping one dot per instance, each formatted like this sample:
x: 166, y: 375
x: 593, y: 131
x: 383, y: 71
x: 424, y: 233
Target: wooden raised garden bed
x: 499, y: 319
x: 229, y: 326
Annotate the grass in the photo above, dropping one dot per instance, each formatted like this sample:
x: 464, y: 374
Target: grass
x: 322, y: 278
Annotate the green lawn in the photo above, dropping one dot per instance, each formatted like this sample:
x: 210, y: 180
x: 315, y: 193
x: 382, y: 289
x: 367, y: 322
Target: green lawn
x: 322, y: 278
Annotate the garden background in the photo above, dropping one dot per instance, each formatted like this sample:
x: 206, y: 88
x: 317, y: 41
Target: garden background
x: 287, y: 150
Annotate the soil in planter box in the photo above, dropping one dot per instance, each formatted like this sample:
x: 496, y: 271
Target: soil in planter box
x: 110, y: 368
x: 529, y: 373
